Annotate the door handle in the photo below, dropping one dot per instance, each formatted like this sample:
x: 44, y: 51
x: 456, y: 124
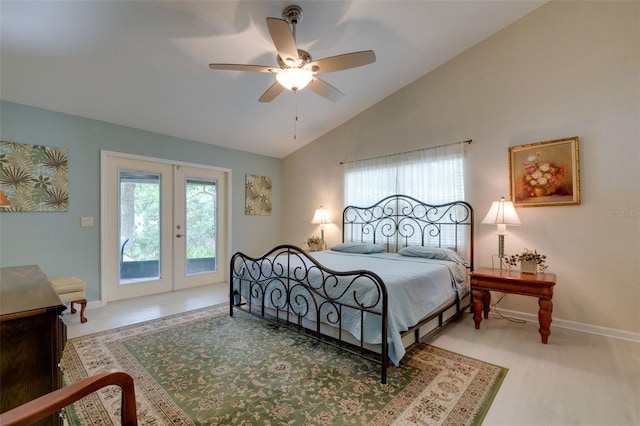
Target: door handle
x: 179, y: 235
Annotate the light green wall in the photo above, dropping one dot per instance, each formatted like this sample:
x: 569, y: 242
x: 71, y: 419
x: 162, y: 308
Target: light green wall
x: 57, y: 243
x: 567, y: 69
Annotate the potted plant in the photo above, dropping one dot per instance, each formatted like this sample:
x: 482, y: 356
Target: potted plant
x: 530, y: 261
x: 315, y: 243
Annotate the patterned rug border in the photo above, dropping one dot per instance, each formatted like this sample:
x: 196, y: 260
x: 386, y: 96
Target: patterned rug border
x: 493, y: 391
x: 484, y: 396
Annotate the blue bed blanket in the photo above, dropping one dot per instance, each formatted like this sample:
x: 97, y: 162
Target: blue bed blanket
x: 415, y: 288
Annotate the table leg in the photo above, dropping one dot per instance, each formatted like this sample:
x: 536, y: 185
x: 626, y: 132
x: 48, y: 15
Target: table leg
x: 486, y: 301
x: 544, y: 318
x: 477, y: 306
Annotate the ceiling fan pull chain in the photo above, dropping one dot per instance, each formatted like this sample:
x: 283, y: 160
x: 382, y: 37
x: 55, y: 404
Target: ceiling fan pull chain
x: 295, y: 121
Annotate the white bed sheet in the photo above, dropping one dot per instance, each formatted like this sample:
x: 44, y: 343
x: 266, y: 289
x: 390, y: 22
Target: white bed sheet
x: 415, y: 287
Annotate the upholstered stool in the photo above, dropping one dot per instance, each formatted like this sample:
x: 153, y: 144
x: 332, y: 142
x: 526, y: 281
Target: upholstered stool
x: 71, y: 290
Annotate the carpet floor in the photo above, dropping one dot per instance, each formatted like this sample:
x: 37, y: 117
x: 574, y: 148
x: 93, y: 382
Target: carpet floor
x: 204, y: 367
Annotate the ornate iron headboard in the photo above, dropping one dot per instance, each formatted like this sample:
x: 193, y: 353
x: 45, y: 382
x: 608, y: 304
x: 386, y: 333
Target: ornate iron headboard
x: 398, y: 221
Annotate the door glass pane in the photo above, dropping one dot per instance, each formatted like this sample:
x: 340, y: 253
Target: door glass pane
x: 139, y: 226
x: 201, y: 200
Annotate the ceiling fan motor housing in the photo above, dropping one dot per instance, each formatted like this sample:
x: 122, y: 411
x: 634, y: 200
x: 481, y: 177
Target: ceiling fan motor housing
x: 303, y: 55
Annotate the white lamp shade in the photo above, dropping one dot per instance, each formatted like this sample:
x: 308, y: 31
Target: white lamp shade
x: 294, y: 78
x: 321, y: 217
x: 502, y: 213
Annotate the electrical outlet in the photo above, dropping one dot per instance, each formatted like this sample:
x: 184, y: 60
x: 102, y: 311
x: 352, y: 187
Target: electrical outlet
x: 86, y: 221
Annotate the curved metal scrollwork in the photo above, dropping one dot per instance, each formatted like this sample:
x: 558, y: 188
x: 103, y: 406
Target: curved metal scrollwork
x: 295, y: 286
x: 399, y: 220
x: 286, y: 276
x: 287, y: 286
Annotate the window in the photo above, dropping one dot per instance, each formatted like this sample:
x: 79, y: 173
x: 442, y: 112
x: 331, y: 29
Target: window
x: 433, y: 175
x: 139, y: 226
x: 201, y: 210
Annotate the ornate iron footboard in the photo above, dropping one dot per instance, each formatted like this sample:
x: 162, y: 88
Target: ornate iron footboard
x: 295, y: 286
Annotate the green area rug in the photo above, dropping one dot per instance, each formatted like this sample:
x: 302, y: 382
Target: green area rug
x: 204, y: 368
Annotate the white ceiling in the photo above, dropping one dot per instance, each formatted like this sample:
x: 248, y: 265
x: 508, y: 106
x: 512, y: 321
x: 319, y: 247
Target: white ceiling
x: 144, y: 64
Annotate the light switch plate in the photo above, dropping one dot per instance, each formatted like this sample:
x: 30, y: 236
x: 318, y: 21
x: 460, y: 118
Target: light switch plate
x: 86, y: 221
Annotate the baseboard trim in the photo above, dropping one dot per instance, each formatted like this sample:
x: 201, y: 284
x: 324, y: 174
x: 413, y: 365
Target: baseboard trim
x: 577, y: 326
x: 557, y: 322
x: 95, y: 304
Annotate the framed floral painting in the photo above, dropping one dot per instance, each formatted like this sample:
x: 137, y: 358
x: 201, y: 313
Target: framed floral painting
x: 545, y: 173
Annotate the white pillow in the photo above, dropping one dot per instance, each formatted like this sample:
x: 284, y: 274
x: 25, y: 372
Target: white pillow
x: 361, y: 248
x: 431, y: 253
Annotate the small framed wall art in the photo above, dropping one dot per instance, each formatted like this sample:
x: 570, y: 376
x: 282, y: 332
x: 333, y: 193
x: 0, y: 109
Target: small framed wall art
x: 545, y: 173
x: 257, y: 195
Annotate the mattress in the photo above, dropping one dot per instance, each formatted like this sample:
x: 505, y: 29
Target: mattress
x: 415, y: 286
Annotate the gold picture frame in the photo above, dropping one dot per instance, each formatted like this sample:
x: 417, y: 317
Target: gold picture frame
x: 545, y: 173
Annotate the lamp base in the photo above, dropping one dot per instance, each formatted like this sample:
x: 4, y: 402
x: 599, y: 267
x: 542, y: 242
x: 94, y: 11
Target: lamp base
x: 500, y: 250
x: 496, y: 259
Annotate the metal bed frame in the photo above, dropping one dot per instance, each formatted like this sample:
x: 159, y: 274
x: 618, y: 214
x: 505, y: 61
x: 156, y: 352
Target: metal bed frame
x: 298, y: 287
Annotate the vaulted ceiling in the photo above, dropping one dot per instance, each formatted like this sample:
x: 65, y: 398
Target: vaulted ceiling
x: 144, y: 64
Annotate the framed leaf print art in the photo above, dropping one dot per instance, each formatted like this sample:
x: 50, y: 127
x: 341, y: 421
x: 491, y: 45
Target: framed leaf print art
x: 257, y: 195
x: 545, y: 173
x: 34, y: 178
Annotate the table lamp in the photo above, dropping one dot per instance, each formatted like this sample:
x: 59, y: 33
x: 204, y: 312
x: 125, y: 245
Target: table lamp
x: 502, y: 213
x: 321, y: 217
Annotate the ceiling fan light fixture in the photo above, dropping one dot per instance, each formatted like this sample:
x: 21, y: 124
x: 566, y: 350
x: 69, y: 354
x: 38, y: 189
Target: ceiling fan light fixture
x: 294, y: 79
x: 296, y: 68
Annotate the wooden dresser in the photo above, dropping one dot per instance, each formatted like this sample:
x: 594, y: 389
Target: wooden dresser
x: 32, y: 337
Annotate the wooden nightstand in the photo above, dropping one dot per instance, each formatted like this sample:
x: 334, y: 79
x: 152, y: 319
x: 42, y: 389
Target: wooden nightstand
x: 484, y: 280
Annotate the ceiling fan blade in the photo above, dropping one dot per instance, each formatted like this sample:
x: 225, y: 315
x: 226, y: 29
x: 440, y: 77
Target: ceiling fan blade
x: 283, y: 40
x: 324, y: 89
x: 343, y: 62
x: 271, y: 93
x: 240, y: 67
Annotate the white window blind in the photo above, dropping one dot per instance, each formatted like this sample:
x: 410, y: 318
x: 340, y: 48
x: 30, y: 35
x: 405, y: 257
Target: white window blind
x: 433, y: 175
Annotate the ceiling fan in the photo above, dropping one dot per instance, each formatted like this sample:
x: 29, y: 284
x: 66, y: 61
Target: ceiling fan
x: 297, y: 70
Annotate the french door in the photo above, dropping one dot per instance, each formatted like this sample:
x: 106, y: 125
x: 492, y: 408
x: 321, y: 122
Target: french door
x: 165, y: 226
x: 199, y: 227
